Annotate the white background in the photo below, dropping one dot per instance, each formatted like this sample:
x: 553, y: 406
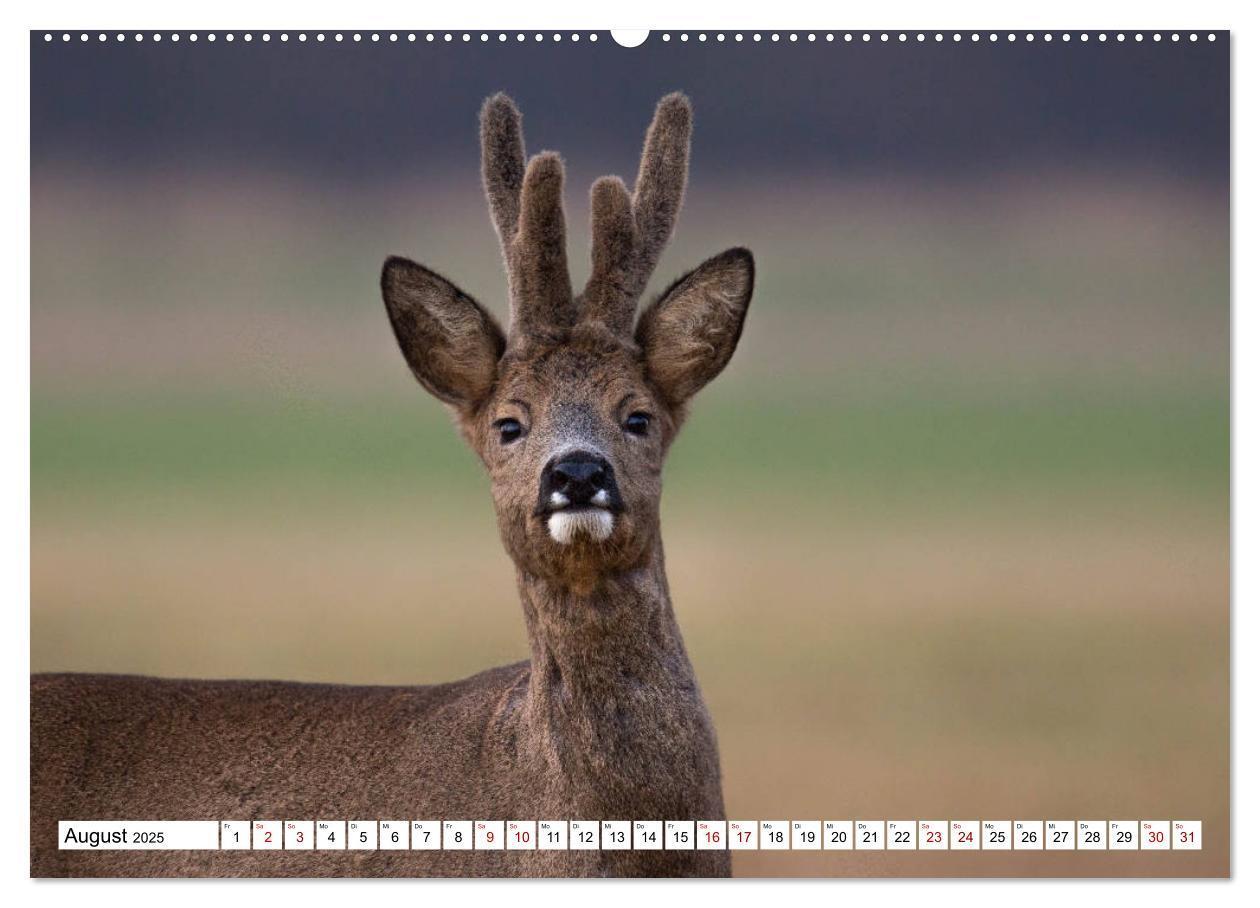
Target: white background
x: 782, y: 15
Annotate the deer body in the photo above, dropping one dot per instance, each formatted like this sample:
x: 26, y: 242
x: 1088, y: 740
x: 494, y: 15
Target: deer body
x: 589, y: 729
x: 572, y: 416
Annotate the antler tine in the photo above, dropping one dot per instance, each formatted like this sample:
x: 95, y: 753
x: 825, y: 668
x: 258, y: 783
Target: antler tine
x: 658, y: 191
x: 612, y: 256
x: 502, y: 164
x: 629, y: 233
x: 526, y: 205
x: 542, y: 297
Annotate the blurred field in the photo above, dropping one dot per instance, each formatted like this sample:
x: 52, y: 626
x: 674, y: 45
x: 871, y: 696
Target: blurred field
x: 949, y: 539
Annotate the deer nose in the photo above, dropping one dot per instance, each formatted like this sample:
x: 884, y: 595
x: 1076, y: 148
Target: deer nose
x: 576, y: 478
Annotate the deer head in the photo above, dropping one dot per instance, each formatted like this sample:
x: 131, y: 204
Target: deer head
x: 573, y: 410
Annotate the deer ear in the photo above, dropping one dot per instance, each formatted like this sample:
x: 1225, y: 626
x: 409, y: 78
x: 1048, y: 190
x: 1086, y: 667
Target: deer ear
x: 689, y: 333
x: 451, y: 344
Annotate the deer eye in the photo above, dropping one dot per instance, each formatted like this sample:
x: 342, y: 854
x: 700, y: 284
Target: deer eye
x: 637, y: 423
x: 509, y: 430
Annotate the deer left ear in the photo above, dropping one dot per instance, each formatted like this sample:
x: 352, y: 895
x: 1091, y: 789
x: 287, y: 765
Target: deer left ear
x: 451, y: 344
x: 689, y: 334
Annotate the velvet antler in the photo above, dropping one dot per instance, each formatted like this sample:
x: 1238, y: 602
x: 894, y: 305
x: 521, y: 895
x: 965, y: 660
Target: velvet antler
x: 526, y: 206
x: 629, y: 233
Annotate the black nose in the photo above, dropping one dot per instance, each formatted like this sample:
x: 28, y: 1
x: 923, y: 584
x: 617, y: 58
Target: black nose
x: 578, y: 477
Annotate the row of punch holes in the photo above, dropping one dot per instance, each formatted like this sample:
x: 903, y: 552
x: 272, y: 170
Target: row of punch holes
x: 521, y: 37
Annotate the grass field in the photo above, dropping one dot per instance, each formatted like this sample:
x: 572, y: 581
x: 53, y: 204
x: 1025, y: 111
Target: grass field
x: 951, y: 539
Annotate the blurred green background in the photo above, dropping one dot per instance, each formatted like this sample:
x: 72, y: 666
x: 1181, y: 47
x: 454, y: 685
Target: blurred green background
x: 950, y: 538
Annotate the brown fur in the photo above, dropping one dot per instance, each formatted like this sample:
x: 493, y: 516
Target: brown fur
x: 605, y: 720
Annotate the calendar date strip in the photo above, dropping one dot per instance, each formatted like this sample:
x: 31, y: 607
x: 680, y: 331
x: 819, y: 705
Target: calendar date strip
x: 630, y: 835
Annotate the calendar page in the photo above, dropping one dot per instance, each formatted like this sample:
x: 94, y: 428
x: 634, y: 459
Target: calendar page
x: 577, y: 453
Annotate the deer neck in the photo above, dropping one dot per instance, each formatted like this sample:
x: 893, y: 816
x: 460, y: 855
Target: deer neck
x: 612, y: 639
x: 612, y: 694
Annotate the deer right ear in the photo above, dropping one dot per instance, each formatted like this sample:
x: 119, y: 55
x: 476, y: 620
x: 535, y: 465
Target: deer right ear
x: 689, y: 333
x: 451, y: 344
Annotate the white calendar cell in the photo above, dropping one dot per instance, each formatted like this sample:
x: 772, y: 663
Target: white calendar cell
x: 837, y: 835
x: 774, y: 835
x: 584, y: 835
x: 1187, y: 835
x: 488, y: 835
x: 1029, y: 835
x: 964, y: 835
x: 680, y: 835
x: 553, y: 835
x: 649, y: 835
x: 361, y: 835
x: 268, y: 835
x: 711, y: 835
x: 901, y: 835
x: 933, y: 835
x: 234, y: 835
x: 1091, y: 835
x: 1060, y: 835
x: 615, y: 835
x: 299, y: 835
x: 330, y: 835
x: 521, y: 835
x: 1156, y: 835
x: 806, y: 835
x: 393, y: 835
x: 426, y: 835
x: 868, y: 835
x: 1122, y: 835
x: 995, y: 835
x: 457, y: 835
x: 742, y: 835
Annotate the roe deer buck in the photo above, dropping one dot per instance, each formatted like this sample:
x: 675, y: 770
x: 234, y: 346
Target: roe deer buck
x: 572, y: 413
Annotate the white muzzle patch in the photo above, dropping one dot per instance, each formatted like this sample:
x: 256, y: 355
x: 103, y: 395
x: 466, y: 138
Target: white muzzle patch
x: 565, y: 526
